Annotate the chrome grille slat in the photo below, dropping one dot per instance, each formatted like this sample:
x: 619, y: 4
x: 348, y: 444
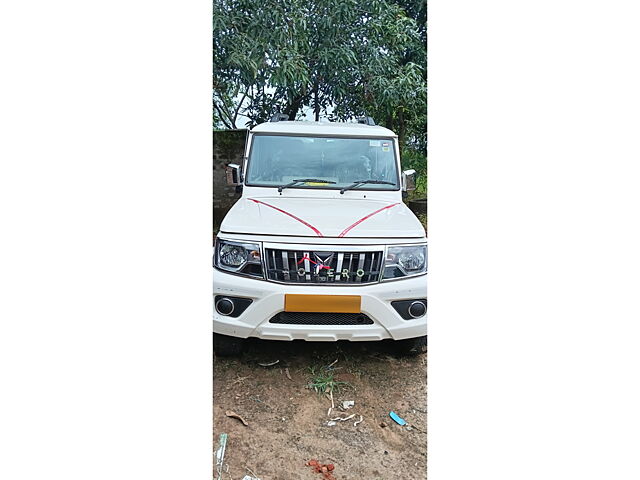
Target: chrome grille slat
x: 275, y: 265
x: 285, y: 266
x: 307, y: 265
x: 282, y: 266
x: 377, y: 261
x: 360, y: 265
x: 338, y: 272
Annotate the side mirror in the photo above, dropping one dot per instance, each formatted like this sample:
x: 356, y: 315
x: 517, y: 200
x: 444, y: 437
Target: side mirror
x: 408, y: 180
x: 234, y: 175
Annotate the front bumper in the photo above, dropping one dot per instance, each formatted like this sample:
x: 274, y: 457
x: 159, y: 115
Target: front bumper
x: 268, y: 300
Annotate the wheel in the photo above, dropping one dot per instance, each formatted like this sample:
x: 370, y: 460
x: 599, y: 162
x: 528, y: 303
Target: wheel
x: 226, y: 346
x: 410, y: 346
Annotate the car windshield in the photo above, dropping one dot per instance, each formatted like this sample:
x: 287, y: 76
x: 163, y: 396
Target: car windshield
x: 277, y: 160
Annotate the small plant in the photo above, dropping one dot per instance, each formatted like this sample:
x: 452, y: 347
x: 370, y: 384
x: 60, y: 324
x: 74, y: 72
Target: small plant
x: 416, y: 160
x: 423, y: 219
x: 323, y: 381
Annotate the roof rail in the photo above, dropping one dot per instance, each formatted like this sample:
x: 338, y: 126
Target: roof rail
x: 366, y: 121
x: 280, y: 117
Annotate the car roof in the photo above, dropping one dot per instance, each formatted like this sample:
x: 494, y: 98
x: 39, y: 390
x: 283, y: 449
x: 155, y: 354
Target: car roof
x: 323, y: 128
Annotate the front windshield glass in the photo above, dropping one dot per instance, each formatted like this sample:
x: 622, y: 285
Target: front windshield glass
x: 277, y: 160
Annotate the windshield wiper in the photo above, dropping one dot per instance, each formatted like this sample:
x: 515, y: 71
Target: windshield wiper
x: 363, y: 182
x: 304, y: 180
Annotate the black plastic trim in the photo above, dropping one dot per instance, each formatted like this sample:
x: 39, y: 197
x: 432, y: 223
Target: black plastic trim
x: 316, y: 318
x: 241, y: 304
x: 402, y: 307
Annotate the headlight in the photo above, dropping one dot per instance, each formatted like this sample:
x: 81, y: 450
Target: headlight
x: 405, y: 261
x: 238, y: 257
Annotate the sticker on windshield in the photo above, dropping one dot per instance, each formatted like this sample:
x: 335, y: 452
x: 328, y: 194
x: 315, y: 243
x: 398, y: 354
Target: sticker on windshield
x: 386, y: 147
x: 374, y: 143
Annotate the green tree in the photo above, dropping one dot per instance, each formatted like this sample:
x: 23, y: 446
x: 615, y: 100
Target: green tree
x: 344, y: 56
x: 400, y: 100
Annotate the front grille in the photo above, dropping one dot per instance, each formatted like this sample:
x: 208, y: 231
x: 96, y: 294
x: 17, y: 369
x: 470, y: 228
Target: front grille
x: 304, y: 318
x: 313, y: 267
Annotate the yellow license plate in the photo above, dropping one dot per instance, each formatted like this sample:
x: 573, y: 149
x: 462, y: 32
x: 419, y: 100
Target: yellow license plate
x: 322, y: 303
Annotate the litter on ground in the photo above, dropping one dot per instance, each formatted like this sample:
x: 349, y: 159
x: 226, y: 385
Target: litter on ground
x: 249, y: 477
x: 269, y: 364
x: 220, y: 454
x: 324, y: 469
x: 394, y: 416
x: 343, y: 419
x: 232, y: 414
x: 347, y: 404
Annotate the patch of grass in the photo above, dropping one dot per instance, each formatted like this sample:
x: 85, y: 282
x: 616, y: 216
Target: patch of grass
x: 323, y: 380
x: 423, y: 220
x: 346, y: 357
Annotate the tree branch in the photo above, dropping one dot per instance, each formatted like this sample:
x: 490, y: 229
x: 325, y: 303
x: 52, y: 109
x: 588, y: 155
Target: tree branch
x: 222, y: 116
x: 235, y: 113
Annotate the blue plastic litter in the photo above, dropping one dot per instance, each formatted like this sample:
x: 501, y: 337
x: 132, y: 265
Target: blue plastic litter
x: 397, y: 419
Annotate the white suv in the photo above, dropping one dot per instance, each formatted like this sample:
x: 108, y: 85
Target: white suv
x: 320, y: 246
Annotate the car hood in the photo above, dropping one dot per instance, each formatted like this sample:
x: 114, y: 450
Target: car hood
x: 322, y: 217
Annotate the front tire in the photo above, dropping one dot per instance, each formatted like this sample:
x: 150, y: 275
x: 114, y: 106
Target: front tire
x: 226, y: 346
x: 410, y: 347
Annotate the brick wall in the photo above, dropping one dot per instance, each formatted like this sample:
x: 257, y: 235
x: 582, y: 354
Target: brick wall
x: 228, y: 147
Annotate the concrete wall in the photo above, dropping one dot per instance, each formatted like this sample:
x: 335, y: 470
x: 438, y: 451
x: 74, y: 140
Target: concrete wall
x: 228, y: 147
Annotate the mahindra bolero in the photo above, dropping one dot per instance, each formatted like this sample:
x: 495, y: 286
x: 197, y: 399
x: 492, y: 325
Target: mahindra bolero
x: 320, y: 246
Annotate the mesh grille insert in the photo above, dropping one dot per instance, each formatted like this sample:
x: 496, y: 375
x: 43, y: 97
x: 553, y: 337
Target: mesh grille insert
x: 305, y: 318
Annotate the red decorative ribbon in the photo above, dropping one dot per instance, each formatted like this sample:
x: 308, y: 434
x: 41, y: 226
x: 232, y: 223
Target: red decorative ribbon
x: 291, y: 215
x: 344, y: 232
x: 315, y: 263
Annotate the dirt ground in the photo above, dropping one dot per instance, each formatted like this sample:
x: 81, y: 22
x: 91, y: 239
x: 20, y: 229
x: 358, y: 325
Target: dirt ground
x: 287, y: 421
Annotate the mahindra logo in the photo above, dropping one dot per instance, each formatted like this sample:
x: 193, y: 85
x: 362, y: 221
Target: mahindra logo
x: 321, y: 264
x: 324, y: 257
